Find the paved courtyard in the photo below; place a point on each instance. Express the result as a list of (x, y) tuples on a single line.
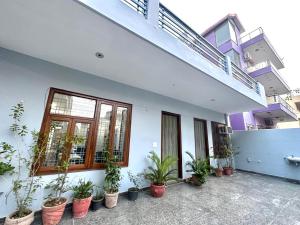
[(240, 199)]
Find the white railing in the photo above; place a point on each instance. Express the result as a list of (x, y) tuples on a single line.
[(141, 6), (278, 99), (251, 35)]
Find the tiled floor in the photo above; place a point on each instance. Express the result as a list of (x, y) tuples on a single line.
[(240, 199)]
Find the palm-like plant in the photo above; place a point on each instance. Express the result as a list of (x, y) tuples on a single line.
[(199, 167), (161, 172)]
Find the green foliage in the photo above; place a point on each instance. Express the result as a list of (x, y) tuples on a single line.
[(137, 179), (26, 158), (6, 154), (113, 175), (58, 186), (98, 193), (161, 173), (83, 189), (199, 167)]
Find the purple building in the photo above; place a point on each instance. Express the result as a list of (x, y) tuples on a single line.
[(254, 54)]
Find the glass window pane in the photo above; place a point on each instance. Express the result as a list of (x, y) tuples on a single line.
[(78, 151), (235, 57), (120, 130), (103, 132), (222, 34), (72, 106), (56, 142)]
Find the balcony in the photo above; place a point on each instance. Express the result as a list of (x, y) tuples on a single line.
[(267, 74), (144, 46), (278, 109), (257, 45)]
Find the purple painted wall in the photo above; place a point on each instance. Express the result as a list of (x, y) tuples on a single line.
[(237, 121), (249, 119), (211, 38)]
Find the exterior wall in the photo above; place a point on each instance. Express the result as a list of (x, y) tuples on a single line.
[(237, 121), (211, 38), (28, 79), (263, 151)]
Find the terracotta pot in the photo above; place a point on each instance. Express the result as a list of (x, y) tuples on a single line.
[(228, 171), (81, 207), (219, 172), (195, 180), (52, 215), (111, 200), (157, 191), (26, 220)]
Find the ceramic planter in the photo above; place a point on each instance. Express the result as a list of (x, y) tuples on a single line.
[(157, 191), (26, 220), (133, 194), (96, 204), (81, 207), (111, 200), (52, 215), (219, 172), (228, 171)]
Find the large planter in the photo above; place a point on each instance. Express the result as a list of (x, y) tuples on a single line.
[(133, 194), (81, 207), (51, 215), (157, 191), (228, 171), (219, 172), (111, 200), (96, 204), (26, 220)]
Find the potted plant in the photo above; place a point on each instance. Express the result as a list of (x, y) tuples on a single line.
[(160, 174), (54, 206), (82, 197), (228, 154), (200, 169), (133, 192), (97, 200), (24, 183), (219, 169), (111, 182)]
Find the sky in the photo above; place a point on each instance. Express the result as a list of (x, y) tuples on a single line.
[(279, 19)]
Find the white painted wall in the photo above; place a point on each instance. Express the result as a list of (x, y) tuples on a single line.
[(263, 151), (28, 79)]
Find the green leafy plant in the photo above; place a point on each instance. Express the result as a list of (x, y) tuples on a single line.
[(137, 180), (58, 186), (83, 189), (6, 155), (161, 173), (26, 158), (113, 175), (199, 167), (98, 193)]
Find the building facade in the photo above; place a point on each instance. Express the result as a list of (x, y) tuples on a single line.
[(129, 77), (254, 54)]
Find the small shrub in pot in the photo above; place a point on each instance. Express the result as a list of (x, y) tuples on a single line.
[(160, 173), (82, 197), (111, 181), (133, 192), (200, 169), (97, 200), (26, 159)]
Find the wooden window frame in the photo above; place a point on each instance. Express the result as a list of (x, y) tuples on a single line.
[(93, 131)]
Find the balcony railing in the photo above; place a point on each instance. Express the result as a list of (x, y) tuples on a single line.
[(251, 35), (141, 6), (278, 99), (170, 23), (177, 28), (243, 77)]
